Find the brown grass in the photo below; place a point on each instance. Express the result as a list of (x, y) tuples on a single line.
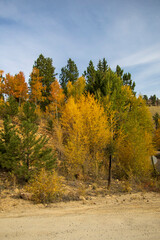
[(154, 109)]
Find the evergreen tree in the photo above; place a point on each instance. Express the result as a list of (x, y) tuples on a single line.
[(9, 146), (119, 71), (126, 77), (11, 107), (156, 119), (102, 66), (145, 97), (68, 73), (153, 99), (90, 76), (103, 81), (128, 81), (34, 152), (47, 72)]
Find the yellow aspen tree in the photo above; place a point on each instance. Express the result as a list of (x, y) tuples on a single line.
[(85, 125), (116, 136), (134, 151)]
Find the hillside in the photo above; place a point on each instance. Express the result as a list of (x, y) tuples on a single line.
[(154, 109)]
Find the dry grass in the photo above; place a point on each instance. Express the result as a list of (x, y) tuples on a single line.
[(154, 109)]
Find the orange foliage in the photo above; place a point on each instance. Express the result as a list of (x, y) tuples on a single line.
[(8, 85), (56, 97), (36, 86), (15, 86), (21, 89)]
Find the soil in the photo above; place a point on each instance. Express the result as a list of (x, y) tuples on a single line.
[(95, 216)]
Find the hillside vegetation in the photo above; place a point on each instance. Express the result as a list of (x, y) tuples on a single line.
[(89, 128)]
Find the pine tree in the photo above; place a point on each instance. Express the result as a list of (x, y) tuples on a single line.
[(9, 146), (34, 151), (11, 107), (35, 154), (126, 78), (47, 72), (128, 81), (156, 119), (68, 73), (90, 76), (119, 71)]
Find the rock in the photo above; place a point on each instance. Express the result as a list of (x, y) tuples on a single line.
[(26, 196), (82, 198)]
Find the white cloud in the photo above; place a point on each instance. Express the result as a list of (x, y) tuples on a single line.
[(148, 55)]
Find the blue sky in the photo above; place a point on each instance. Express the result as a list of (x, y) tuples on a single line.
[(126, 33)]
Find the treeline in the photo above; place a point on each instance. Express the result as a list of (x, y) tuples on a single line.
[(153, 100), (92, 122)]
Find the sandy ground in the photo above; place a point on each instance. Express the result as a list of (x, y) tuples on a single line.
[(127, 216)]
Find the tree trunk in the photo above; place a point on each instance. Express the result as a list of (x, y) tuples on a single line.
[(109, 172)]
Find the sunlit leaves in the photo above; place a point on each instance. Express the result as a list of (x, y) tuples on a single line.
[(86, 134), (15, 86), (77, 88), (36, 86)]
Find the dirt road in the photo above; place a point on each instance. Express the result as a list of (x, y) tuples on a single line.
[(125, 217)]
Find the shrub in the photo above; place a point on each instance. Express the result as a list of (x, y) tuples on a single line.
[(46, 187)]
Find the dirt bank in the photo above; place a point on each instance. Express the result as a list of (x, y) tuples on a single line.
[(122, 216)]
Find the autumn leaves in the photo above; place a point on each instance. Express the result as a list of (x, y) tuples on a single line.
[(93, 119)]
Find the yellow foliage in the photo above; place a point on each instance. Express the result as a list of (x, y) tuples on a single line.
[(134, 150), (45, 187), (76, 89), (86, 133)]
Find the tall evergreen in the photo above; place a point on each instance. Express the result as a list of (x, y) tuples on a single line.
[(97, 79), (68, 73), (35, 154), (9, 146), (128, 81), (47, 72), (126, 78), (90, 76), (153, 99), (119, 71)]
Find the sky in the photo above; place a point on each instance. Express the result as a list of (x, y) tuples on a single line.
[(126, 33)]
